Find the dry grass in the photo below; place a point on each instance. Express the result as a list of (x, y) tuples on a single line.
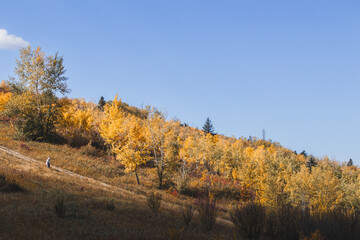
[(104, 168), (93, 210)]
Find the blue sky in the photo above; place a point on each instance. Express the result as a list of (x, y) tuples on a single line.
[(291, 67)]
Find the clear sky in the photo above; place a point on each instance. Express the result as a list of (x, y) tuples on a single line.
[(291, 67)]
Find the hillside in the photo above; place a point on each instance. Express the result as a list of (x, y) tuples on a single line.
[(95, 210), (112, 163)]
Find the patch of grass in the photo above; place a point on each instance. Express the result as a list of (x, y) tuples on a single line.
[(102, 204), (9, 186)]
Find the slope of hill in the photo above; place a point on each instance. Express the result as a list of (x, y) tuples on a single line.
[(94, 209)]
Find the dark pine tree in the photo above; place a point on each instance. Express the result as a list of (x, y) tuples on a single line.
[(101, 103), (304, 153), (208, 127), (311, 162), (350, 163)]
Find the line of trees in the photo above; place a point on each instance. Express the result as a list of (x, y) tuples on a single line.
[(195, 160)]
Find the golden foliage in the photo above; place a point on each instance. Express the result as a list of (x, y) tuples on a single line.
[(4, 98), (265, 171)]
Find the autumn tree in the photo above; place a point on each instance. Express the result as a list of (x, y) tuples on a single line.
[(208, 127), (5, 95), (34, 104), (209, 152), (187, 154), (320, 190), (136, 150), (78, 122), (163, 141), (111, 125), (126, 135), (233, 156)]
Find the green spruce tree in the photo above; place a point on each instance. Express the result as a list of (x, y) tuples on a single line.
[(208, 127), (101, 103), (311, 162)]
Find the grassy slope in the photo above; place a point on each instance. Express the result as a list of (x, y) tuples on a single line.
[(30, 215)]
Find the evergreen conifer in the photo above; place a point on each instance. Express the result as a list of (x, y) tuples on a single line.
[(208, 127)]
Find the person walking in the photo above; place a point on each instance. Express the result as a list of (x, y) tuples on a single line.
[(48, 162)]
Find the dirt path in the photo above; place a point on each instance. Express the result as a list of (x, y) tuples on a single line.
[(28, 164)]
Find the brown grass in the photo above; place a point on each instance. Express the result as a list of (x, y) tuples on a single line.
[(93, 210)]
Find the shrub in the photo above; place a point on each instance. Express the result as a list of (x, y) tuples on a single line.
[(90, 150), (153, 201), (304, 222), (207, 210), (338, 224), (187, 212), (77, 140), (253, 221), (24, 146), (182, 185), (60, 207), (288, 222), (249, 220)]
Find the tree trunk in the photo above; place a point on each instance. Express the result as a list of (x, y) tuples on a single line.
[(137, 177), (160, 173)]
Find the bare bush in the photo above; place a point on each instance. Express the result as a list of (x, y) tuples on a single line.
[(338, 224), (187, 212), (207, 210), (249, 220), (154, 201)]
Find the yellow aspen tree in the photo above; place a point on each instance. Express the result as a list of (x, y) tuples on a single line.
[(4, 98), (134, 150), (163, 135), (324, 190), (350, 185), (298, 188), (5, 95), (232, 157), (274, 194), (76, 114), (187, 153), (245, 173), (78, 121), (111, 125), (356, 200), (319, 190), (209, 151)]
